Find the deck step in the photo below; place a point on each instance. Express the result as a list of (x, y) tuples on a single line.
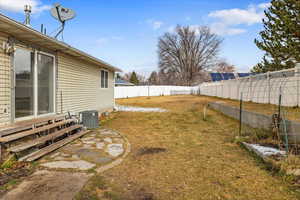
[(16, 136), (28, 124), (37, 154), (43, 139)]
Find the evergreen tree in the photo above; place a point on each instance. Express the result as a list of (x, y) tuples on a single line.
[(133, 78), (280, 38)]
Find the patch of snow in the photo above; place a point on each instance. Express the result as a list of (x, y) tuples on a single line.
[(138, 109), (81, 165), (115, 149), (266, 151)]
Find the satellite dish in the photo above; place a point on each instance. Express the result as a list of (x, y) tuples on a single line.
[(62, 14)]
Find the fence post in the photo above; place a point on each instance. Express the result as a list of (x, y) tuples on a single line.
[(241, 112), (269, 87), (279, 103), (238, 88), (251, 89), (297, 74)]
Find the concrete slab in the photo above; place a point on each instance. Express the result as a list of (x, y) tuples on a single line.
[(45, 185), (80, 165)]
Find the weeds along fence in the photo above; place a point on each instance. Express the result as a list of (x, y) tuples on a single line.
[(261, 88), (139, 91)]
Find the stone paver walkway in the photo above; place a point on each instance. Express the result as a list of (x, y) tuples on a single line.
[(61, 170)]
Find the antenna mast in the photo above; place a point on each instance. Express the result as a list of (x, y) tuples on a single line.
[(27, 10), (57, 5)]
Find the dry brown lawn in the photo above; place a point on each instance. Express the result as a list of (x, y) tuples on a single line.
[(178, 156)]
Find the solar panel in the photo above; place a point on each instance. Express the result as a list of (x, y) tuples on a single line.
[(244, 74), (228, 76), (216, 77), (221, 76)]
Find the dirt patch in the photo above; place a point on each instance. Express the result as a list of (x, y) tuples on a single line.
[(44, 184), (142, 194), (10, 176), (150, 150), (19, 170)]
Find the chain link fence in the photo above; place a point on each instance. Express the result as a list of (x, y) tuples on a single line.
[(276, 95)]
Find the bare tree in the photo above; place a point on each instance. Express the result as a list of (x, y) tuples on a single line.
[(142, 79), (127, 76), (153, 79), (167, 78), (224, 67), (187, 52)]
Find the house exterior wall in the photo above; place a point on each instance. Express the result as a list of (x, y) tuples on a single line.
[(78, 86), (5, 84)]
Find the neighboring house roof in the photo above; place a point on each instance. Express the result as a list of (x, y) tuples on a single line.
[(120, 82), (30, 35)]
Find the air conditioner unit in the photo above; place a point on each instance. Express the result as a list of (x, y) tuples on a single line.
[(90, 119)]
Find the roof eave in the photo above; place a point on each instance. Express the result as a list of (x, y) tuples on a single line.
[(39, 35)]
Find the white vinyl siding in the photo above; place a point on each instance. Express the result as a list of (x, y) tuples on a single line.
[(5, 85), (78, 86)]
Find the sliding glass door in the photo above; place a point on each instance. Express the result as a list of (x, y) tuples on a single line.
[(24, 83), (45, 65), (34, 83)]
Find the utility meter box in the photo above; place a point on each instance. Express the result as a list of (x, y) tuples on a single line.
[(90, 119)]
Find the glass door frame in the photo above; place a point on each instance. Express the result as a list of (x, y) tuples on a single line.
[(36, 115), (35, 87)]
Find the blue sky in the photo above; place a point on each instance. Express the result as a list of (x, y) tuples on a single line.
[(125, 32)]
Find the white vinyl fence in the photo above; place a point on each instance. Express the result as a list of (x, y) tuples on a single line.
[(261, 88), (139, 91)]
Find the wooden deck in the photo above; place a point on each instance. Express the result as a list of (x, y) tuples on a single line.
[(31, 139), (28, 124)]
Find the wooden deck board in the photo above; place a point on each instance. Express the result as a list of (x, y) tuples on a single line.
[(36, 155), (27, 124), (16, 136), (42, 139)]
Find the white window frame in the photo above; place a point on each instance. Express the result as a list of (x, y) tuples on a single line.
[(104, 79)]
